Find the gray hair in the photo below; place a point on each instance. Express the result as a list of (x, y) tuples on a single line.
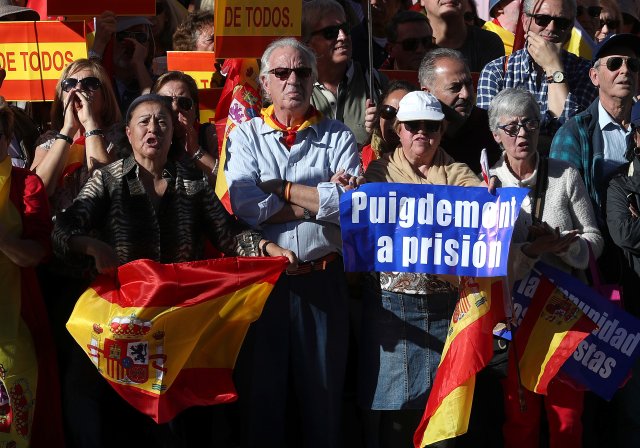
[(287, 42), (428, 66), (531, 5), (313, 11), (510, 103)]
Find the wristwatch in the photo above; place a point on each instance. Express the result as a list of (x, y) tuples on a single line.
[(557, 77), (306, 214)]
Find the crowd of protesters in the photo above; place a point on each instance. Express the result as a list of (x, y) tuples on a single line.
[(119, 167)]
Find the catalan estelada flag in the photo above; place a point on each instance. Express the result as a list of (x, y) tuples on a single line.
[(468, 348), (240, 101), (550, 332), (166, 336)]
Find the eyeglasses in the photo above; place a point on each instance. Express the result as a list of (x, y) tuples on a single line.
[(593, 11), (543, 20), (184, 102), (90, 83), (428, 126), (140, 36), (411, 44), (283, 73), (388, 112), (614, 63), (611, 24), (332, 32), (513, 129)]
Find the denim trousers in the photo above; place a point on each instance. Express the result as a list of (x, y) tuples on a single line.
[(402, 340), (295, 356)]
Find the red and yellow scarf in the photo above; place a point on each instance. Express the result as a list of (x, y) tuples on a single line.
[(312, 117)]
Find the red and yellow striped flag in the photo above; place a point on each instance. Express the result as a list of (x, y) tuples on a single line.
[(167, 337), (468, 348), (550, 332)]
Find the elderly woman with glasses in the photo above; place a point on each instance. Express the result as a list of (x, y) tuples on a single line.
[(196, 142), (556, 225), (406, 315)]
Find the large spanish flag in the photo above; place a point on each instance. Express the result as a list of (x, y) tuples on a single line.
[(550, 332), (468, 348), (240, 101), (166, 336)]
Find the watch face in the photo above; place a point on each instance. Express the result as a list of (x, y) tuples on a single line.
[(558, 77)]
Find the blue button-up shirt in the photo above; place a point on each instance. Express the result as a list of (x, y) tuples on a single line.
[(521, 73), (255, 154)]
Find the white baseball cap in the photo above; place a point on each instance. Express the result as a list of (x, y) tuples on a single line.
[(419, 105)]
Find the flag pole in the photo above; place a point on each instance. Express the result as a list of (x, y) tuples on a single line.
[(370, 47)]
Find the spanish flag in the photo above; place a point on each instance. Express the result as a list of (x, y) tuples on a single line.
[(468, 348), (166, 336), (240, 101), (550, 332)]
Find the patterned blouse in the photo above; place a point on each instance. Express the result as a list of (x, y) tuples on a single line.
[(114, 207)]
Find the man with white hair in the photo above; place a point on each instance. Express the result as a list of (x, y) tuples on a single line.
[(286, 170)]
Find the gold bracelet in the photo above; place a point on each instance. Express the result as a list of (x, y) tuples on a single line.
[(287, 192)]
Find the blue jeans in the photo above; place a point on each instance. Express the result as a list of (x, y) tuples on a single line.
[(298, 344), (402, 340)]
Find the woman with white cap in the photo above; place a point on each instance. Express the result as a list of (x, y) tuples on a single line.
[(406, 315)]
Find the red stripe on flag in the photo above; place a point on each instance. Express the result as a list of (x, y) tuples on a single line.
[(29, 90), (30, 32), (230, 275), (190, 61), (243, 46), (192, 387), (535, 308)]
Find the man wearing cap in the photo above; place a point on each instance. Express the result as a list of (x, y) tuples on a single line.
[(505, 15), (559, 80), (280, 170), (445, 74), (594, 141)]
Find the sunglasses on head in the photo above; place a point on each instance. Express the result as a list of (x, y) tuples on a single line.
[(388, 112), (611, 24), (283, 73), (512, 129), (90, 83), (544, 20), (184, 102), (331, 32), (593, 11), (429, 126), (140, 36), (411, 44), (614, 63)]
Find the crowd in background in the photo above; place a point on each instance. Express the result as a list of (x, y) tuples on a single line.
[(119, 167)]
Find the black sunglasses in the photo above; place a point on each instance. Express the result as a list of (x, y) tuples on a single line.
[(593, 11), (512, 129), (90, 83), (611, 24), (615, 62), (283, 73), (140, 36), (388, 112), (428, 126), (184, 102), (411, 44), (331, 32), (543, 20)]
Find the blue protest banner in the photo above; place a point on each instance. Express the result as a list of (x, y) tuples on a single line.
[(434, 229), (602, 361)]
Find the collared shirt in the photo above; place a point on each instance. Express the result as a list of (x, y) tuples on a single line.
[(328, 94), (115, 207), (615, 141), (255, 154), (521, 73)]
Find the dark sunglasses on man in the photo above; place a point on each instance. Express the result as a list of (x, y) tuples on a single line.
[(428, 126), (615, 62), (88, 84), (592, 11), (543, 20), (411, 44), (283, 73), (331, 32), (184, 102), (611, 24), (140, 36)]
